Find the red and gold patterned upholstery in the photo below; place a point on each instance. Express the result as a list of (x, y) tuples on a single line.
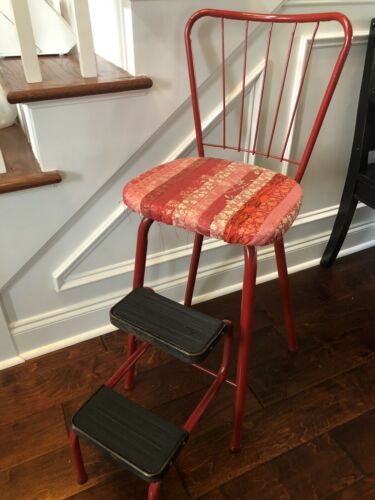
[(232, 201)]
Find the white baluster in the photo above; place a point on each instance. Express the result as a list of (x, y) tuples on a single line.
[(3, 168), (87, 59), (27, 43)]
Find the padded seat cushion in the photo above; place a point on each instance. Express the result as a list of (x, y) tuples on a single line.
[(231, 201)]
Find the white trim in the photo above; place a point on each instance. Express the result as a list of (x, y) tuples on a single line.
[(60, 344), (319, 3), (334, 39), (319, 214), (88, 245), (61, 275), (29, 123), (9, 355), (53, 103), (17, 360), (85, 41), (127, 266), (3, 168), (322, 40), (29, 57), (302, 254), (127, 36)]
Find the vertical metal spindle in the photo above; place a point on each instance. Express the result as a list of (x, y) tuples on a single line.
[(223, 78), (299, 93), (282, 89), (243, 86), (263, 84)]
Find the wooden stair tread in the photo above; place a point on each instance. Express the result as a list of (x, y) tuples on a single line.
[(22, 168), (62, 79)]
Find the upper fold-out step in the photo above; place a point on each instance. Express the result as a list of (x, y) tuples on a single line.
[(185, 333)]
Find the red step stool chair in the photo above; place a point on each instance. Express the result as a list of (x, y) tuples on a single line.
[(237, 202)]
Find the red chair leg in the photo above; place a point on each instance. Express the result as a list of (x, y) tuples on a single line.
[(153, 491), (285, 294), (138, 279), (77, 458), (193, 269), (246, 320)]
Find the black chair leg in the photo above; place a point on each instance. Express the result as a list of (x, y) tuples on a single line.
[(340, 229)]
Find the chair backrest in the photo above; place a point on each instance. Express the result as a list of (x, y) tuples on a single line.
[(266, 146)]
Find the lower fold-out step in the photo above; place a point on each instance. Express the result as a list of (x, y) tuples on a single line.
[(143, 442)]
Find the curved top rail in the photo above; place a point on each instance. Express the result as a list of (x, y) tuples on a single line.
[(271, 19)]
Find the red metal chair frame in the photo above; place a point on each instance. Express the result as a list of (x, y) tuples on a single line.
[(249, 277)]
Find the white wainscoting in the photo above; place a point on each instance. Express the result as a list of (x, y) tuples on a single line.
[(90, 318), (71, 300), (322, 3)]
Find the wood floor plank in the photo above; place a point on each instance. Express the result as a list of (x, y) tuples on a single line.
[(51, 475), (315, 423), (154, 388), (313, 470), (75, 353), (220, 411), (206, 463), (35, 389), (332, 322), (357, 437), (364, 489), (32, 436), (118, 487), (229, 307), (290, 374), (116, 342), (317, 288)]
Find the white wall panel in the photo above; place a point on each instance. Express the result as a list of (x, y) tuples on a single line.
[(68, 254)]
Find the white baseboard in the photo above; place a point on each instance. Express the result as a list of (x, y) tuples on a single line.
[(57, 329), (7, 363), (60, 344)]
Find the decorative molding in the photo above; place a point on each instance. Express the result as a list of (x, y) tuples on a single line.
[(54, 103), (88, 245), (319, 3), (302, 254), (61, 344), (322, 40), (28, 126), (62, 281)]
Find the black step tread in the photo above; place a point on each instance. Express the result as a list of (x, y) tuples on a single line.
[(185, 333), (143, 442)]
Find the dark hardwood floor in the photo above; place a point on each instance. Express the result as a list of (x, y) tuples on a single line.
[(310, 416)]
